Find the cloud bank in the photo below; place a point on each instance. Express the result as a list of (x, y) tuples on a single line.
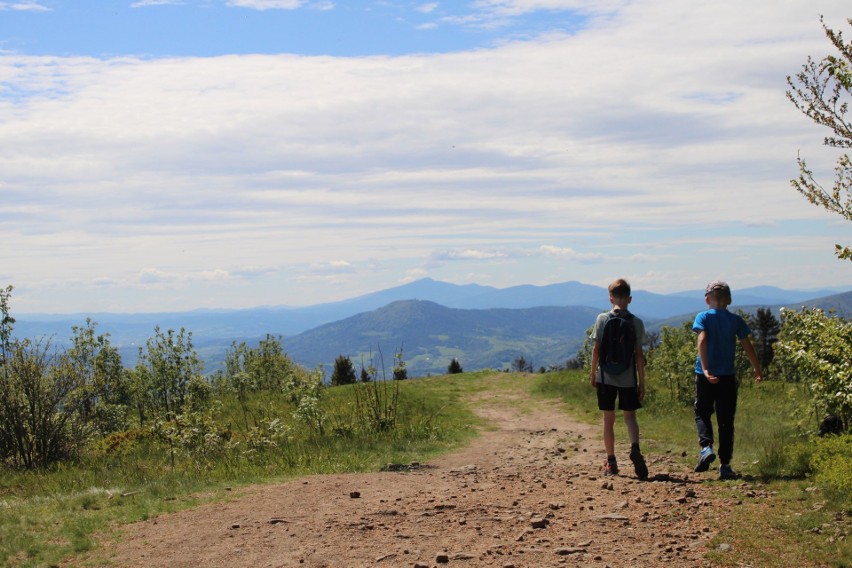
[(655, 143)]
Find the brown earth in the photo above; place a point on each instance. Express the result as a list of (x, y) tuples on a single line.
[(529, 492)]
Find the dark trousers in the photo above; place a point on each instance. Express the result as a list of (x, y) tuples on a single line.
[(721, 397)]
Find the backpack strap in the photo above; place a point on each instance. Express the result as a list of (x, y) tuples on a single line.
[(629, 317)]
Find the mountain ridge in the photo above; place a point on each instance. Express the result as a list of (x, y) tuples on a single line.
[(214, 330)]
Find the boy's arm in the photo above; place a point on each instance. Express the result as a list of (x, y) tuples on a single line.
[(752, 356), (703, 357), (596, 354), (639, 361)]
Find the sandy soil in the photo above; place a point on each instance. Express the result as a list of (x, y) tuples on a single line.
[(529, 492)]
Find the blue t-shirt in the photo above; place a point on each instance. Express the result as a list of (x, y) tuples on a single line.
[(723, 329)]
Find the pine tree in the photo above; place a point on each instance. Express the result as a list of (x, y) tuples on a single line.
[(766, 328), (344, 371)]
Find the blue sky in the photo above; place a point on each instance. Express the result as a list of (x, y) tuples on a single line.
[(160, 156)]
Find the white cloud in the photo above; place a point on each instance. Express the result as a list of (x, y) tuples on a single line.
[(146, 3), (570, 254), (24, 7), (469, 254), (520, 7), (496, 14), (156, 276), (414, 274), (267, 4), (427, 8), (333, 267)]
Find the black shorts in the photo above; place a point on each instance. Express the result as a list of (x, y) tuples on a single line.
[(628, 397)]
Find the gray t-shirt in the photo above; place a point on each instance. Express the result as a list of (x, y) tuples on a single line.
[(627, 378)]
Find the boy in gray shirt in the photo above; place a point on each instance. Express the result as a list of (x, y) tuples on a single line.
[(618, 372)]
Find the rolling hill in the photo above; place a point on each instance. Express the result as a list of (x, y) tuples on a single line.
[(431, 335)]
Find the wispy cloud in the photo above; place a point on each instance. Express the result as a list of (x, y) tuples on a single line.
[(146, 3), (155, 276), (427, 8), (414, 274), (24, 6), (569, 254), (267, 4), (332, 267), (520, 7), (469, 254), (491, 14)]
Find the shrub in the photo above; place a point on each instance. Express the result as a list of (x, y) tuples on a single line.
[(376, 401), (674, 362), (831, 462), (38, 412), (814, 348), (400, 373), (785, 458), (165, 372)]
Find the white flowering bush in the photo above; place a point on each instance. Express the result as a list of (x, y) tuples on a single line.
[(306, 390), (816, 349), (269, 434), (193, 435)]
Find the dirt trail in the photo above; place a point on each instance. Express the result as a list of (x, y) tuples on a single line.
[(527, 493)]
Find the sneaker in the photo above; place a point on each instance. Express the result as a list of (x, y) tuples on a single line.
[(727, 472), (611, 468), (639, 464), (705, 458)]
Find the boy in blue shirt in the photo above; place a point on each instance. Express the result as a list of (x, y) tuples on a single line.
[(716, 384)]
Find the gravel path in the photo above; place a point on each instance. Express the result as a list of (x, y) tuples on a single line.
[(528, 493)]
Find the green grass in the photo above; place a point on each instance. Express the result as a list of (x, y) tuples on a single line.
[(783, 523)]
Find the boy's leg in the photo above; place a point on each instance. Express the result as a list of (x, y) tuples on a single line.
[(704, 403), (629, 403), (611, 465), (609, 432), (705, 398), (726, 408), (606, 403), (632, 426), (636, 456)]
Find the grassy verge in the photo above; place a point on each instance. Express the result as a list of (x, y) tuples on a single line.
[(777, 517), (50, 515), (781, 523)]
